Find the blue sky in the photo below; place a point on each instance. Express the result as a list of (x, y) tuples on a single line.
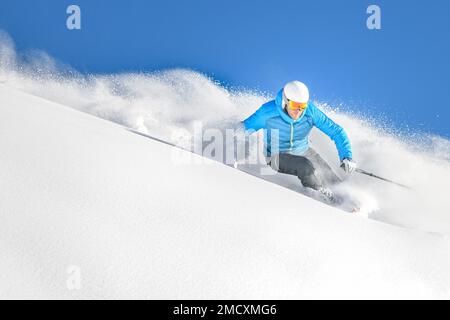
[(398, 73)]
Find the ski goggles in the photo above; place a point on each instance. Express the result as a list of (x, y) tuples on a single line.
[(296, 105)]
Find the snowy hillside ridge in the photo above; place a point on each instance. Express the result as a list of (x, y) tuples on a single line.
[(85, 197), (168, 104)]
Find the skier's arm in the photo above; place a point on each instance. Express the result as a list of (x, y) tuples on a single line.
[(258, 119), (250, 125), (334, 131)]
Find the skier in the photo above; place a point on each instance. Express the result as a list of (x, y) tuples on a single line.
[(294, 115)]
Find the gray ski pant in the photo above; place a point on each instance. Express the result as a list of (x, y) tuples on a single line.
[(312, 170)]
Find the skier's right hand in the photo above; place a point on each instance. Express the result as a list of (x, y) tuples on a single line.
[(348, 165)]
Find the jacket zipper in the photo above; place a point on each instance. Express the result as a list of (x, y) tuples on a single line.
[(292, 135)]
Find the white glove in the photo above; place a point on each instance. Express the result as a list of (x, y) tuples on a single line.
[(348, 165)]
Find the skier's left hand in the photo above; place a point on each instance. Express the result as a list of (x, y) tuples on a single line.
[(348, 165)]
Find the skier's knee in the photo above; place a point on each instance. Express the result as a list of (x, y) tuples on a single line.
[(305, 168), (310, 181)]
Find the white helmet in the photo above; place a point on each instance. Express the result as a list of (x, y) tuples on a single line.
[(295, 91)]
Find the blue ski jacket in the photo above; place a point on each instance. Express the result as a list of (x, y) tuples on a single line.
[(293, 134)]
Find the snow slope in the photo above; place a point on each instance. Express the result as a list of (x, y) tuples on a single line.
[(79, 191), (167, 104)]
